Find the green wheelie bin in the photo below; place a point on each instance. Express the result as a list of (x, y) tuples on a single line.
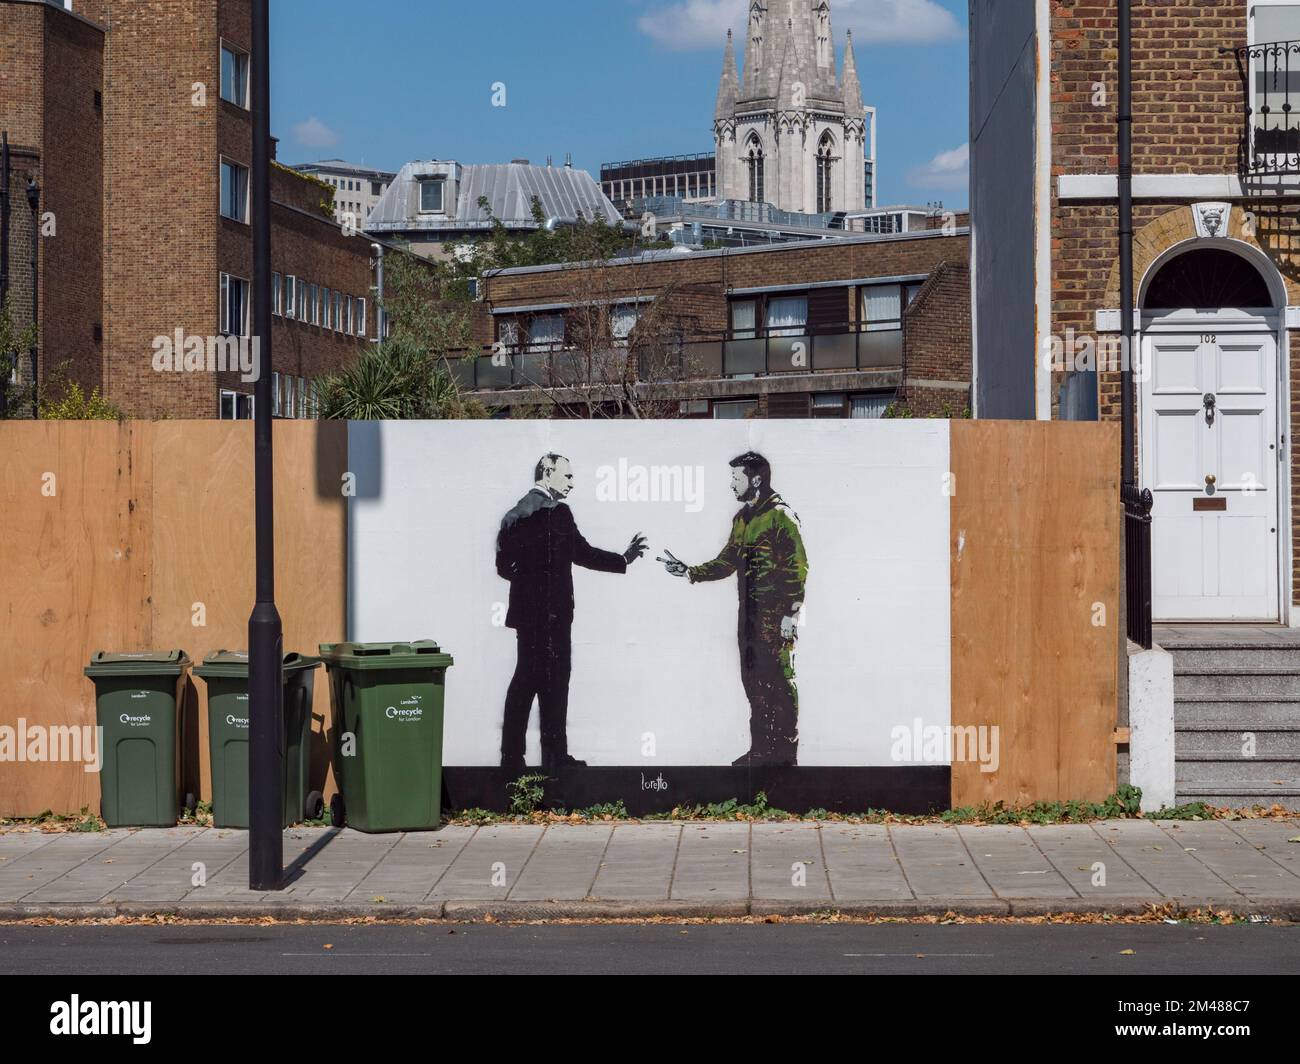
[(136, 701), (226, 674), (387, 701)]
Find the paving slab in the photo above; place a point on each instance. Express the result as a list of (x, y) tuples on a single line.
[(410, 869), (1012, 864), (1273, 838), (1161, 861), (564, 865), (1088, 863), (712, 863), (936, 863), (1232, 858), (45, 864), (861, 863), (100, 876), (186, 868), (787, 863), (489, 864), (638, 863)]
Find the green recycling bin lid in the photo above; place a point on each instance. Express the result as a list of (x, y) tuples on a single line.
[(421, 654), (234, 664), (141, 663)]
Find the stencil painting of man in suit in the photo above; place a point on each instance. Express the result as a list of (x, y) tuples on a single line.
[(537, 547)]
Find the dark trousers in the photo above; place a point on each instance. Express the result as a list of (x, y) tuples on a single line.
[(542, 672), (767, 671)]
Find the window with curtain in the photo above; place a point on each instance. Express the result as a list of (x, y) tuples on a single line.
[(744, 319), (234, 76), (881, 307), (545, 332), (234, 191), (787, 315), (622, 320), (870, 406)]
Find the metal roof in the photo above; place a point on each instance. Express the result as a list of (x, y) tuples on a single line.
[(509, 188)]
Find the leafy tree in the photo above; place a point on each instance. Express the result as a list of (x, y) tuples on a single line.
[(62, 399), (14, 342)]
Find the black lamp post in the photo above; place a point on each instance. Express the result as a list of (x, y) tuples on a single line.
[(34, 202), (265, 635)]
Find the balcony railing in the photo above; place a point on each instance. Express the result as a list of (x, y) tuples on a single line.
[(1270, 78), (843, 348)]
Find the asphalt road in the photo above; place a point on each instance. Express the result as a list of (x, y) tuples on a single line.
[(650, 949)]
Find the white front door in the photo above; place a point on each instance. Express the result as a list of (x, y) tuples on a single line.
[(1209, 455)]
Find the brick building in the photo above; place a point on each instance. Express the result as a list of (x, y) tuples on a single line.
[(1216, 172), (133, 116), (842, 328)]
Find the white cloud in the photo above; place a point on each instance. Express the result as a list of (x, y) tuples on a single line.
[(315, 134), (688, 24), (947, 170)]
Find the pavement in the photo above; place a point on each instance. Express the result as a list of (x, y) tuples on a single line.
[(648, 869)]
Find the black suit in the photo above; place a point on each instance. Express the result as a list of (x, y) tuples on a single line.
[(537, 548)]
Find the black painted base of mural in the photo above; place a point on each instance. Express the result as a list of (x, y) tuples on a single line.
[(915, 790)]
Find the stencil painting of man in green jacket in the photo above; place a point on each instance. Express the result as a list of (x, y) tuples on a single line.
[(765, 552)]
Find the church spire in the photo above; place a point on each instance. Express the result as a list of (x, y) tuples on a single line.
[(852, 87), (729, 87)]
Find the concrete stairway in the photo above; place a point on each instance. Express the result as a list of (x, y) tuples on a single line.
[(1236, 714)]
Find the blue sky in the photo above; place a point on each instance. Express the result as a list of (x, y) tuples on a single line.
[(386, 81)]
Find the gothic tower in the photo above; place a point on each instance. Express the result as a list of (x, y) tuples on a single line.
[(792, 132)]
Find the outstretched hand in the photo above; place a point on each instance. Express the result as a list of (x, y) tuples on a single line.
[(674, 566), (636, 549)]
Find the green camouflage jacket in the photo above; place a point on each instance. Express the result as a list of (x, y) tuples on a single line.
[(766, 553)]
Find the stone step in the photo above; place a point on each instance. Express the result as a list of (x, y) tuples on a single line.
[(1215, 658), (1230, 685), (1245, 771), (1227, 745), (1240, 714), (1238, 796)]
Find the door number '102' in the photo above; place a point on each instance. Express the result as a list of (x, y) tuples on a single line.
[(1209, 338)]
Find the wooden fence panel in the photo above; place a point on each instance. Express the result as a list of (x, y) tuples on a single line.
[(1036, 532)]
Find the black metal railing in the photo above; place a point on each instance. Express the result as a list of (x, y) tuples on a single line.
[(1270, 78), (1137, 563), (842, 347)]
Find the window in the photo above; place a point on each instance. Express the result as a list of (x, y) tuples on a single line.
[(234, 76), (787, 315), (736, 411), (234, 306), (290, 296), (347, 315), (828, 404), (755, 160), (881, 307), (276, 405), (622, 320), (303, 312), (277, 295), (360, 317), (825, 166), (431, 196), (338, 311), (1275, 26), (302, 397), (545, 332), (235, 406), (744, 319), (508, 333), (870, 406), (288, 397), (234, 191), (313, 303), (376, 189)]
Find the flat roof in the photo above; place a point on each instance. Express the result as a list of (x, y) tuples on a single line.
[(762, 249)]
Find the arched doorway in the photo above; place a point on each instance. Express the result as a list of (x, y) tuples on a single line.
[(1210, 446)]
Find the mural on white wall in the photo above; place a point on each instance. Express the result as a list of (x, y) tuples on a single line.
[(653, 594)]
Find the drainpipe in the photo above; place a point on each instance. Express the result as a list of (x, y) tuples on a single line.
[(1126, 236), (34, 202), (378, 251), (4, 256)]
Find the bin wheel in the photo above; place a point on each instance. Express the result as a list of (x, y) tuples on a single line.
[(314, 806), (338, 814)]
